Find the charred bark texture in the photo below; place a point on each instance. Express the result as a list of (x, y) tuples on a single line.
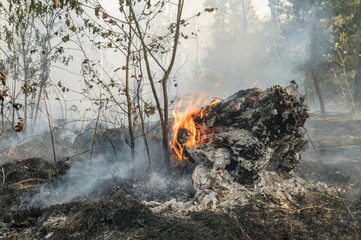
[(253, 131)]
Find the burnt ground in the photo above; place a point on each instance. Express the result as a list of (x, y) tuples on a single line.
[(114, 209)]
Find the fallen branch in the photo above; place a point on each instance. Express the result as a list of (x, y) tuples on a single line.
[(27, 180), (4, 176), (301, 209)]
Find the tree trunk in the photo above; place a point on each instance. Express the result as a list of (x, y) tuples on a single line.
[(142, 124), (357, 89), (147, 64), (319, 92), (25, 80), (163, 115), (164, 82), (129, 102)]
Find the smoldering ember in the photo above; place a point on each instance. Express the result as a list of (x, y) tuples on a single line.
[(239, 181)]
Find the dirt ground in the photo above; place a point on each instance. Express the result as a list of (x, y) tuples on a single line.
[(114, 209)]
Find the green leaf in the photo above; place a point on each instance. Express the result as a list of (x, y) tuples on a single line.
[(66, 38)]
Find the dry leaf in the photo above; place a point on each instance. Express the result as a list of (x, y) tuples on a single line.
[(149, 110), (20, 126), (2, 78)]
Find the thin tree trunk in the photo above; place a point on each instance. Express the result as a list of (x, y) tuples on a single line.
[(319, 92), (163, 117), (15, 79), (147, 64), (357, 89), (43, 79), (25, 81), (44, 74), (51, 134), (145, 137), (164, 82), (129, 102)]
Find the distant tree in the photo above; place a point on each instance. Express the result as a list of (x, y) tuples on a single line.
[(31, 42), (334, 28), (238, 45)]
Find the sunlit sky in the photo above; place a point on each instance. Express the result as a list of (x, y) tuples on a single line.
[(261, 7)]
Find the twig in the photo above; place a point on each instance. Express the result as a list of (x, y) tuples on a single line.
[(2, 118), (240, 226), (135, 222), (4, 176), (27, 180), (300, 209), (95, 130), (51, 135), (85, 151), (26, 197)]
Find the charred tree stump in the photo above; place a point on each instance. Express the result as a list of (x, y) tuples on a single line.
[(250, 132)]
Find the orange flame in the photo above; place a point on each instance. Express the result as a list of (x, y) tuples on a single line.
[(215, 102), (184, 120)]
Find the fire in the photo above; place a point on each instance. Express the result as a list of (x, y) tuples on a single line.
[(184, 120), (215, 102)]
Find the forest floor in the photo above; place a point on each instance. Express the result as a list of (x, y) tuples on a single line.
[(115, 208)]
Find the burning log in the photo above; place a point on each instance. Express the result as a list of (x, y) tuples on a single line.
[(243, 136)]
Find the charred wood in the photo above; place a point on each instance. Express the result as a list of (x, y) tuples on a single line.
[(252, 131)]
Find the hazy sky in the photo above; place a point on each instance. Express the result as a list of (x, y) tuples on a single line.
[(261, 7), (187, 54), (188, 49)]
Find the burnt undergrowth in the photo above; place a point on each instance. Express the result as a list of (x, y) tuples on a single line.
[(116, 212), (118, 207)]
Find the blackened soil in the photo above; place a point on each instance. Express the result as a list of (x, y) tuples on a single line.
[(112, 213), (21, 179), (115, 210)]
